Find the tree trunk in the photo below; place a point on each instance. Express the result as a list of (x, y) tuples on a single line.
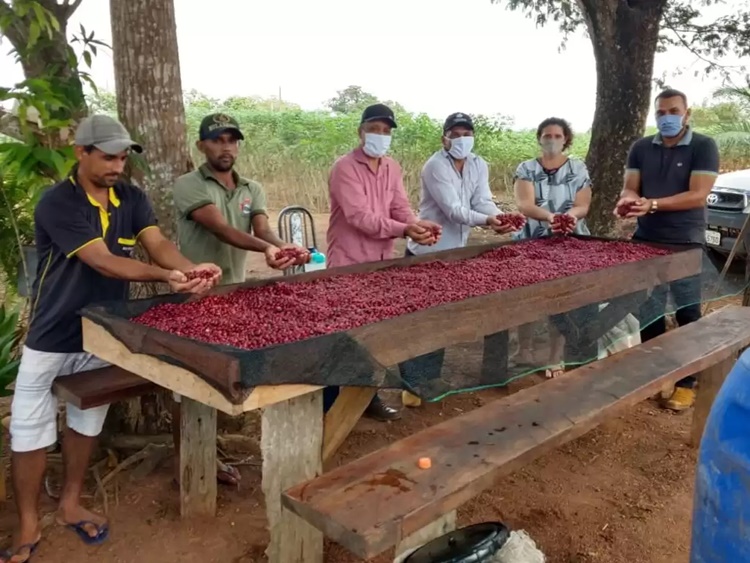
[(624, 34), (149, 104), (149, 96)]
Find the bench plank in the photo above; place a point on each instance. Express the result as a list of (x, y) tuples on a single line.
[(102, 386), (471, 451)]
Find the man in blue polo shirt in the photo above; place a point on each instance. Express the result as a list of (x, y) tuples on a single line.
[(86, 229), (667, 180)]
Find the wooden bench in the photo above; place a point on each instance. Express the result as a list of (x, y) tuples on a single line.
[(384, 500), (89, 389)]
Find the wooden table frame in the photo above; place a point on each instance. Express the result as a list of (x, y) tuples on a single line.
[(296, 439)]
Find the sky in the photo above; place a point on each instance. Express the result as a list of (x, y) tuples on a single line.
[(429, 55)]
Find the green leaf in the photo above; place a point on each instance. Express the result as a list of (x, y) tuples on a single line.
[(27, 168), (61, 166), (87, 58), (34, 33), (6, 349), (87, 78), (54, 23)]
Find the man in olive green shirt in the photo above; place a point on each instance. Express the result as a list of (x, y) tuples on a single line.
[(217, 210)]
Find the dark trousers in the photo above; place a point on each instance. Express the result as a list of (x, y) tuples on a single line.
[(330, 394), (686, 294)]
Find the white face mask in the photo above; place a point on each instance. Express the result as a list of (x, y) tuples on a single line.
[(461, 147), (552, 147), (376, 145)]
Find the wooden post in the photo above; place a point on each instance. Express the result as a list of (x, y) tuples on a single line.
[(197, 459), (343, 416), (291, 445), (433, 530), (709, 383)]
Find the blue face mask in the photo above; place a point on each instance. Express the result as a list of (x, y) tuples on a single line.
[(669, 125), (376, 145)]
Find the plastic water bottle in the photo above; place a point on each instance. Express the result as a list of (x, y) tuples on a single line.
[(317, 261)]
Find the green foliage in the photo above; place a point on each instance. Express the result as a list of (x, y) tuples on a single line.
[(17, 202), (10, 335), (47, 104), (732, 126)]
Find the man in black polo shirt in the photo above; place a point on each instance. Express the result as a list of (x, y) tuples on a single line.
[(86, 229), (667, 180)]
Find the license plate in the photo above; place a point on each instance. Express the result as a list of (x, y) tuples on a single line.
[(713, 238)]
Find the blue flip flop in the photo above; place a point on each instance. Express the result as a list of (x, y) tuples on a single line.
[(6, 556), (102, 532)]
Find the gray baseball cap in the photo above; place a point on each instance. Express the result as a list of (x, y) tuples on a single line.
[(106, 134)]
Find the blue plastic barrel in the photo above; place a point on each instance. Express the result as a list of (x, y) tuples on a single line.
[(721, 508)]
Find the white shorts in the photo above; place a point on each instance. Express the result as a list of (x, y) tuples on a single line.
[(33, 416)]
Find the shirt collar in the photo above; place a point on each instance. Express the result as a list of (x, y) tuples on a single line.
[(686, 139), (360, 156), (113, 197), (206, 172)]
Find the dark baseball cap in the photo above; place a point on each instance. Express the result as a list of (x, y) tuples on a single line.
[(458, 119), (379, 112), (217, 123), (106, 134)]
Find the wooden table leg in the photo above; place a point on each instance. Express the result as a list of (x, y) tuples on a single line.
[(291, 445), (197, 459), (709, 383), (343, 416)]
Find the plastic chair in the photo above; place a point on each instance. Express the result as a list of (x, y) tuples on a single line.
[(297, 226)]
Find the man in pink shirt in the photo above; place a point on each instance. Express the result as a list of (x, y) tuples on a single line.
[(369, 210)]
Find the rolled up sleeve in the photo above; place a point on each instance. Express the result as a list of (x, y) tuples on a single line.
[(143, 213), (706, 159), (633, 165), (189, 194), (349, 192), (437, 185)]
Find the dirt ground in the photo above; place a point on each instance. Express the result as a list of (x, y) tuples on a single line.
[(620, 494)]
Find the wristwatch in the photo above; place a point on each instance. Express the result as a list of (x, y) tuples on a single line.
[(654, 206)]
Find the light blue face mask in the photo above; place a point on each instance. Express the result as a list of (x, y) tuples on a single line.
[(376, 145), (461, 147), (669, 125)]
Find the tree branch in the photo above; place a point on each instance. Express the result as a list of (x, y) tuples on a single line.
[(70, 7), (682, 41)]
